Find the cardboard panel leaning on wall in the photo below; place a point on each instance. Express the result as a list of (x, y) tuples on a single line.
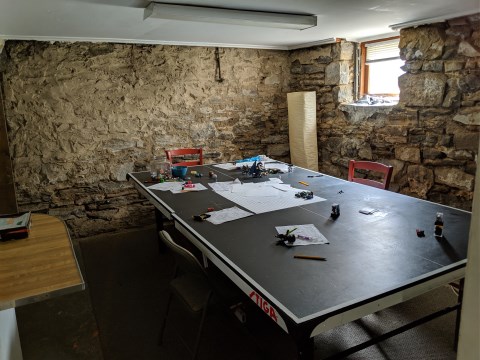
[(302, 129)]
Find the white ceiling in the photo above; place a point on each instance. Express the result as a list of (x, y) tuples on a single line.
[(122, 21)]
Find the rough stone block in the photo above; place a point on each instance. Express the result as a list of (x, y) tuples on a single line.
[(431, 153), (420, 180), (422, 43), (466, 49), (434, 65), (276, 150), (454, 177), (346, 50), (413, 66), (468, 117), (309, 56), (454, 65), (337, 73), (407, 153), (466, 141), (474, 96), (424, 89)]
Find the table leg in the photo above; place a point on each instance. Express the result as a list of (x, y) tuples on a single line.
[(459, 313), (160, 222), (305, 348)]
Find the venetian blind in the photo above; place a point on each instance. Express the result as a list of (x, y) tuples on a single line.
[(382, 50)]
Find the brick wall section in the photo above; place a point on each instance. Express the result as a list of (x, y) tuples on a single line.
[(80, 116), (431, 137)]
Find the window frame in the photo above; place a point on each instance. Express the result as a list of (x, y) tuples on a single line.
[(364, 67)]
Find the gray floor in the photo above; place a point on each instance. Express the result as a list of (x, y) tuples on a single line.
[(118, 316)]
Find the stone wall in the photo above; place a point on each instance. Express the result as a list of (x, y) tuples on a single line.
[(81, 116), (431, 137)]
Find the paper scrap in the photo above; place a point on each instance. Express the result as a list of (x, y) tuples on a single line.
[(176, 187), (229, 214), (306, 234)]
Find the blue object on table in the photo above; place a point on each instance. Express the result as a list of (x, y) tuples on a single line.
[(179, 171), (255, 158)]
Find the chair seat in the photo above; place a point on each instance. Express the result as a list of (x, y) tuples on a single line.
[(192, 290)]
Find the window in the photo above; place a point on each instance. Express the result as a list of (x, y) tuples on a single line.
[(380, 68)]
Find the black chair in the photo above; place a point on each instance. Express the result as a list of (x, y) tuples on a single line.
[(195, 289)]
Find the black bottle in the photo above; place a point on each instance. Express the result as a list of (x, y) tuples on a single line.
[(438, 231)]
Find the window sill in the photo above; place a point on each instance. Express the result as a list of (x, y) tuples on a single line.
[(364, 111)]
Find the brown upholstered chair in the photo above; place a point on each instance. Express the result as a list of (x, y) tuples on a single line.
[(381, 169), (186, 157)]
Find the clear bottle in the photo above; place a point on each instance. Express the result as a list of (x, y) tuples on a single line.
[(154, 165), (438, 230), (160, 168)]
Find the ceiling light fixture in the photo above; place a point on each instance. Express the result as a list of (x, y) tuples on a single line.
[(432, 20), (314, 43), (229, 16)]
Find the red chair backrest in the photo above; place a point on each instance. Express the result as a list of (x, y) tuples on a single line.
[(198, 153), (386, 170)]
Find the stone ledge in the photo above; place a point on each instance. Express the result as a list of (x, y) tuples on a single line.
[(359, 112)]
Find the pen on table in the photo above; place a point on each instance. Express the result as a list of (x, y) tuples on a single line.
[(303, 183), (309, 257)]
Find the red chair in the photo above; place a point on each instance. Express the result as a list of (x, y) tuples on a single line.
[(385, 170), (188, 157)]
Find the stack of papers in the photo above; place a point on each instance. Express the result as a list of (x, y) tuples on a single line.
[(261, 197)]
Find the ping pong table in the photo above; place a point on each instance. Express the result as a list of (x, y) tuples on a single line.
[(372, 261)]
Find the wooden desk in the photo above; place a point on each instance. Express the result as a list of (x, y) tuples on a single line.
[(34, 269)]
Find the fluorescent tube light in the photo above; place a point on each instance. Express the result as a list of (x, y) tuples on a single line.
[(432, 20), (314, 43), (229, 16)]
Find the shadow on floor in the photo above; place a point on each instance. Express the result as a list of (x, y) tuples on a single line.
[(118, 317)]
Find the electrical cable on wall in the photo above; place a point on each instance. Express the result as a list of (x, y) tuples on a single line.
[(218, 73)]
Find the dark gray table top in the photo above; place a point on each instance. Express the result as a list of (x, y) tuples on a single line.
[(368, 255)]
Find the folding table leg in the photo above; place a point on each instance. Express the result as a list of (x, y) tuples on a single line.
[(305, 348), (459, 313), (159, 220)]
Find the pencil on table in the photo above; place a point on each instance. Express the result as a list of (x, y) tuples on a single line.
[(309, 257)]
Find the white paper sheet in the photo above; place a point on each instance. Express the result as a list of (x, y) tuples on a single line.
[(261, 197), (176, 187), (227, 166), (198, 187), (230, 214), (279, 166), (304, 234), (165, 186)]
